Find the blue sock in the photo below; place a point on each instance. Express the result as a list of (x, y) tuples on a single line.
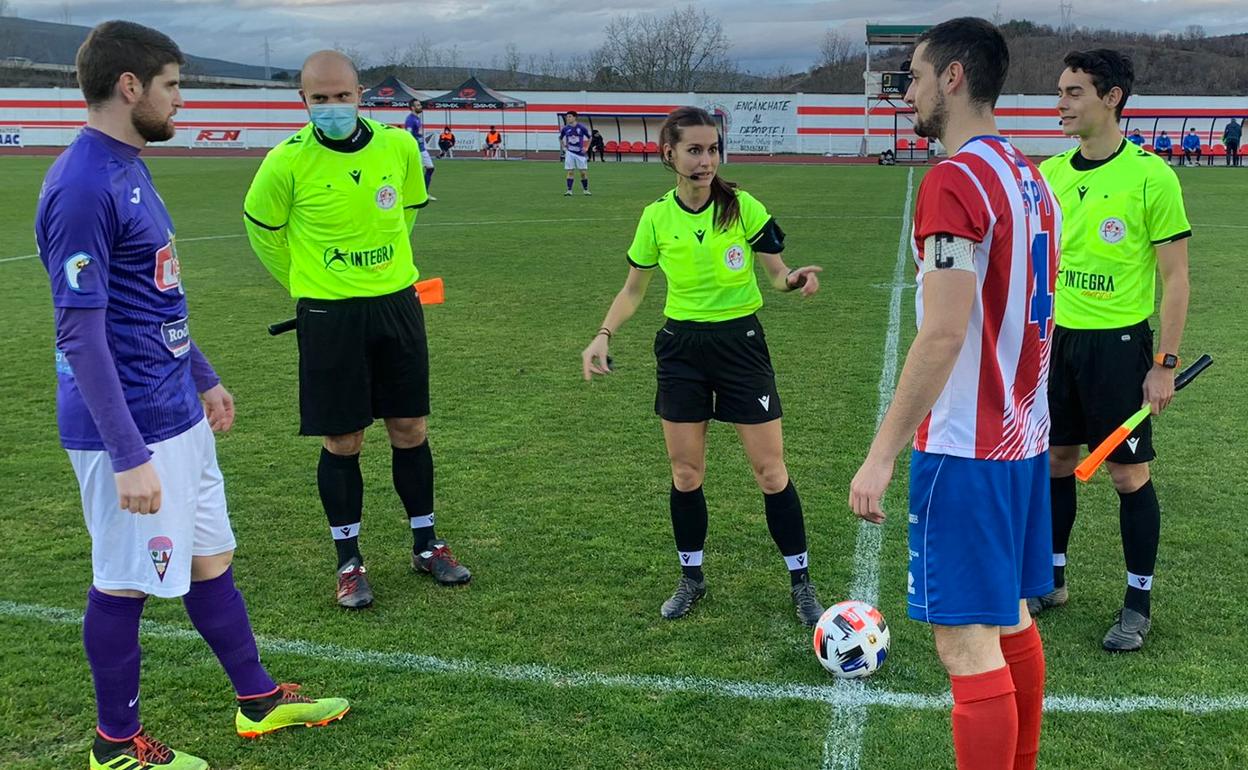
[(584, 183), (569, 184)]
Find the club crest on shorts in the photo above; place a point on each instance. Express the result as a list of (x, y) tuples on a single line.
[(387, 197), (160, 548), (734, 257), (1113, 230)]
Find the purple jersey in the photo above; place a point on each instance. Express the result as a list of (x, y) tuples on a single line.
[(106, 240), (574, 138), (416, 127)]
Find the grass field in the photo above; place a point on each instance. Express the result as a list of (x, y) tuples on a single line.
[(555, 493)]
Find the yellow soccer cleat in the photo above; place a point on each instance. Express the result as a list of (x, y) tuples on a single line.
[(286, 708), (140, 753)]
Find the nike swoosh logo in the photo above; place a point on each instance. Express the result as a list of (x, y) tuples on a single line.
[(131, 703)]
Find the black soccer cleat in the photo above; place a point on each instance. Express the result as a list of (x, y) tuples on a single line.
[(688, 592), (806, 603), (439, 562)]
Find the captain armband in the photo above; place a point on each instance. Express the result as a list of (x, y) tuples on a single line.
[(948, 252)]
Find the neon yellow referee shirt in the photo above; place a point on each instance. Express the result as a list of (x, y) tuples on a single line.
[(332, 220), (710, 272), (1115, 213)]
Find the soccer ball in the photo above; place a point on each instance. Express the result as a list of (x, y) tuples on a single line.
[(851, 639)]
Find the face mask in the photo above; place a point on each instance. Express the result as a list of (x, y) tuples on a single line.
[(336, 121)]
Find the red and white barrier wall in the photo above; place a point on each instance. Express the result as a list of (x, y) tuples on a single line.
[(755, 123)]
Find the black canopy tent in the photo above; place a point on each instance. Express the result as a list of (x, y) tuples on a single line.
[(390, 92), (472, 94)]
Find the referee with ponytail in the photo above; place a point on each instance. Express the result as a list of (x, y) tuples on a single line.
[(712, 354)]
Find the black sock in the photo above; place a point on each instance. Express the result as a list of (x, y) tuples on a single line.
[(1063, 494), (342, 493), (412, 470), (689, 526), (258, 708), (1139, 517), (788, 530)]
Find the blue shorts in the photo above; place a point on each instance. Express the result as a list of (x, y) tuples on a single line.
[(981, 538)]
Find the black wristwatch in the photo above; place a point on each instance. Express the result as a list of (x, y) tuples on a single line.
[(1166, 360)]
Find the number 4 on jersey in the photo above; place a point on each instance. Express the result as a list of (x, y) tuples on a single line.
[(1041, 295)]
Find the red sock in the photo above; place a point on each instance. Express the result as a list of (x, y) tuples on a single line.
[(1024, 653), (985, 720)]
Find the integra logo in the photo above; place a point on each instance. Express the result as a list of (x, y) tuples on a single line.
[(339, 260), (177, 336)]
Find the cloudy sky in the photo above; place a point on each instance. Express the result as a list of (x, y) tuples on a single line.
[(765, 35)]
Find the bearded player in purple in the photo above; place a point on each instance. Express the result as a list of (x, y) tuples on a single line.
[(130, 382)]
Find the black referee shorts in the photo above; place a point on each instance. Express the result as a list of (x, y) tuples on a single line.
[(361, 359), (1096, 380), (717, 369)]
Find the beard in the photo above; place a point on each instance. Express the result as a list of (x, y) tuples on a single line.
[(932, 126), (149, 124)]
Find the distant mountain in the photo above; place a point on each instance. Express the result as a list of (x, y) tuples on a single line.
[(45, 42)]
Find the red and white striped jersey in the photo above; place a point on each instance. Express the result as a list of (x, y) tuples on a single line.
[(995, 405)]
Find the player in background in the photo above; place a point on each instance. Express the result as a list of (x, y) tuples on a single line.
[(1124, 221), (137, 404), (330, 214), (712, 355), (415, 126), (574, 140), (972, 396)]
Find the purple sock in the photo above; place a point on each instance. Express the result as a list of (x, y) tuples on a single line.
[(584, 183), (569, 184), (110, 634), (218, 612)]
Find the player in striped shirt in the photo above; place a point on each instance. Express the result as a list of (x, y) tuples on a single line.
[(972, 393)]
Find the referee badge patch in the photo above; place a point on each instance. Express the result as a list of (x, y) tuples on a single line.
[(387, 197), (1113, 230), (734, 257)]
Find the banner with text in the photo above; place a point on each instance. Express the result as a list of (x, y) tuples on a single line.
[(758, 124)]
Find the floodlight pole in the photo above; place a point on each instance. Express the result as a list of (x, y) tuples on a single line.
[(866, 102)]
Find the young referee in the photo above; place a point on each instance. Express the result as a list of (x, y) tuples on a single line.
[(330, 214), (1124, 221), (712, 354)]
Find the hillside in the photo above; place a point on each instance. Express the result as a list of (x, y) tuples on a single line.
[(49, 43), (1164, 65)]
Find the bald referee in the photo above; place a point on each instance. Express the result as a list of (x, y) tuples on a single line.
[(1124, 221), (330, 214)]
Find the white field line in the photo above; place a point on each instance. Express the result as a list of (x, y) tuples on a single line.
[(564, 221), (842, 746), (857, 698)]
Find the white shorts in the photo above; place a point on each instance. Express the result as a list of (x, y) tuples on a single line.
[(152, 553), (425, 160), (572, 161)]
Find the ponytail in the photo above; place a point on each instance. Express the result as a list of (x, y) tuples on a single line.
[(727, 207)]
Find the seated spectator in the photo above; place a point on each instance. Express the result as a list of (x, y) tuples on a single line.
[(1136, 138), (493, 140), (1163, 146), (597, 145), (1191, 148), (446, 141), (1230, 138)]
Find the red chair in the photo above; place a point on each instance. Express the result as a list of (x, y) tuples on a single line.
[(920, 144), (652, 147), (610, 146), (624, 148), (639, 147)]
